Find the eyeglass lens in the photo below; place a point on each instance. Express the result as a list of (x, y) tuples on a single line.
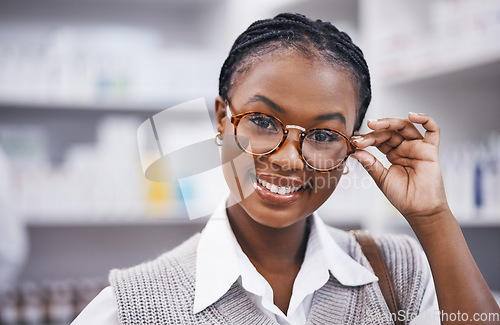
[(261, 134)]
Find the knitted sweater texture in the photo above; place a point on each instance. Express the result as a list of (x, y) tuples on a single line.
[(162, 291)]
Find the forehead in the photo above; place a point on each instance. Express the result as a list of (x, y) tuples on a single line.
[(304, 86)]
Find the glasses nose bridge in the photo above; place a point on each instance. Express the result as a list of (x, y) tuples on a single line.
[(297, 127), (288, 154), (301, 131)]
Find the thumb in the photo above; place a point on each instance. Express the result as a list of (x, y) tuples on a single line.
[(372, 165)]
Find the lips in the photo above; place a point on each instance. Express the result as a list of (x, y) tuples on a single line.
[(279, 190), (279, 182)]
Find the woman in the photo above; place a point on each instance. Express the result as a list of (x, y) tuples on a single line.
[(292, 94)]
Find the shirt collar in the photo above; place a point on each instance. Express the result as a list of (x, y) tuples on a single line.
[(218, 266), (342, 266)]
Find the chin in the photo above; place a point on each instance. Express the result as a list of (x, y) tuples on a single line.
[(275, 215)]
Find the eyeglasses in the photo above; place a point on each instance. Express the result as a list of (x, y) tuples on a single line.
[(260, 134)]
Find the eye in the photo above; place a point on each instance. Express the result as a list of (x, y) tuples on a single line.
[(264, 122), (323, 136)]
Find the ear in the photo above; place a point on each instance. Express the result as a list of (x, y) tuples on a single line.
[(220, 113)]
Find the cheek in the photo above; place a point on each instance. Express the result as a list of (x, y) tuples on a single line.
[(237, 167), (325, 184)]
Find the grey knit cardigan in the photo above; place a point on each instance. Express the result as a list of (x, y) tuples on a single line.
[(162, 291)]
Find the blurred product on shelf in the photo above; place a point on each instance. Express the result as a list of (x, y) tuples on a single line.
[(13, 237), (185, 152), (48, 303), (471, 175)]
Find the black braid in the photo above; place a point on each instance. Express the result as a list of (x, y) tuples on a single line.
[(309, 37)]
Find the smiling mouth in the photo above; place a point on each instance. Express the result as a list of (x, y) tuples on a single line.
[(282, 190), (280, 185), (279, 190)]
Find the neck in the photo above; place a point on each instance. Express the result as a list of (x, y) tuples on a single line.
[(271, 249)]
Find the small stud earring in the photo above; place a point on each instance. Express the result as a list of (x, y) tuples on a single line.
[(218, 139)]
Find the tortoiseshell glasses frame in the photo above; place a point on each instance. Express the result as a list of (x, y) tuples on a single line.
[(236, 119)]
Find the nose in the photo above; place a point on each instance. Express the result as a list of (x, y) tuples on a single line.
[(287, 157)]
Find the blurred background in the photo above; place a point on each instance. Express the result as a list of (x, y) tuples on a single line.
[(78, 78)]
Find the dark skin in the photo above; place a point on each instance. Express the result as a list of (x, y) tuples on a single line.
[(274, 237)]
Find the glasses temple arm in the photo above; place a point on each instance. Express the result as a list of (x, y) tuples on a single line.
[(228, 112)]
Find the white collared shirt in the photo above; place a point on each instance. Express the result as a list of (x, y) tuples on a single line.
[(221, 261), (322, 256)]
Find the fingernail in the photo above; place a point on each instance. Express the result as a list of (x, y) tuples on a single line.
[(356, 138), (372, 121), (412, 113)]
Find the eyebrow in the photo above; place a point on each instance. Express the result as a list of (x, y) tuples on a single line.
[(279, 109), (331, 116), (270, 103)]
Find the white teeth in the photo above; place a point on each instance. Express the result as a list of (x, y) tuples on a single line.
[(278, 189)]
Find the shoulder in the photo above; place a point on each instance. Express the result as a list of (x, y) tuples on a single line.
[(403, 257), (395, 248), (400, 249), (181, 258)]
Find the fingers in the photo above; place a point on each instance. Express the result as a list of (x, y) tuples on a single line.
[(384, 140), (372, 165), (432, 132), (411, 152), (403, 126), (397, 149), (391, 132)]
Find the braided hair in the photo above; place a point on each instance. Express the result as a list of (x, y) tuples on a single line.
[(311, 38)]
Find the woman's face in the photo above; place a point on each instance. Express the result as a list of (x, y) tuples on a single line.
[(299, 91)]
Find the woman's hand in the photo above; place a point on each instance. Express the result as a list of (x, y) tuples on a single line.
[(413, 183)]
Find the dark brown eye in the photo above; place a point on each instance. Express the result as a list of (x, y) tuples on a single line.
[(322, 136), (264, 122)]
